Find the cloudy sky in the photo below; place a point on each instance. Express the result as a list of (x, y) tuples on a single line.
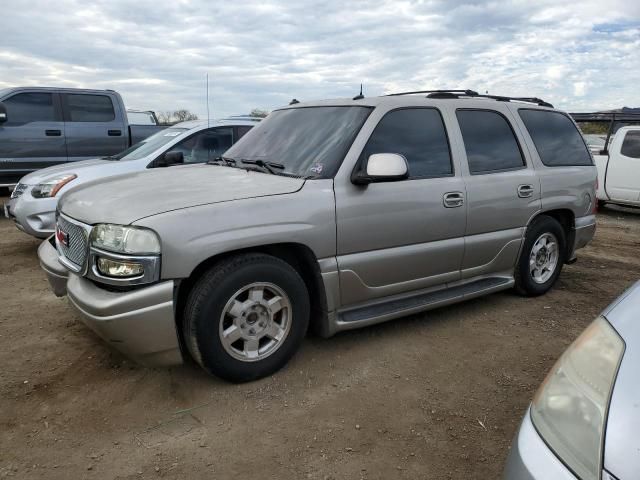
[(263, 53)]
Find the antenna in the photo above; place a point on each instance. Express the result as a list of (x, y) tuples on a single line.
[(208, 117), (360, 96)]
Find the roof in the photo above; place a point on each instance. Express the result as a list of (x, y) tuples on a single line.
[(239, 121), (429, 98), (61, 89)]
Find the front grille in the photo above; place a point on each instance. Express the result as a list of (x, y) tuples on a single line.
[(19, 190), (78, 243)]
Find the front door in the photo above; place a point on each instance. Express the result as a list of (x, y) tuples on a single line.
[(394, 237), (33, 136)]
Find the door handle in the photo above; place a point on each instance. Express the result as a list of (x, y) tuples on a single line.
[(53, 133), (525, 191), (453, 199), (115, 133)]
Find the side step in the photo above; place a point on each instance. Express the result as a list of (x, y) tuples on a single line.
[(400, 307)]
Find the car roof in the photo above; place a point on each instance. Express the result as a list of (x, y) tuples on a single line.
[(401, 100)]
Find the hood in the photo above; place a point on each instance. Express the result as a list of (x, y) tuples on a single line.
[(622, 440), (125, 199), (64, 168)]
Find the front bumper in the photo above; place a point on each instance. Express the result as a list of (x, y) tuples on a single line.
[(139, 323), (531, 459), (34, 216), (56, 274)]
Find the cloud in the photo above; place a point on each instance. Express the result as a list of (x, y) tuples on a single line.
[(263, 53)]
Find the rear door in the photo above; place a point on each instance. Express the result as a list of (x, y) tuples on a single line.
[(623, 170), (33, 136), (503, 190), (94, 125)]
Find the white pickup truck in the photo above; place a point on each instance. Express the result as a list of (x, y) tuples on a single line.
[(617, 156)]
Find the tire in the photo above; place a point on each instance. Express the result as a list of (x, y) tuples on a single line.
[(233, 327), (536, 282)]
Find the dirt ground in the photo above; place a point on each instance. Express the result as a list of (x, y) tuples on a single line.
[(434, 396)]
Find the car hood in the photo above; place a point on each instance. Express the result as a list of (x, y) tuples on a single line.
[(64, 168), (622, 440), (123, 199)]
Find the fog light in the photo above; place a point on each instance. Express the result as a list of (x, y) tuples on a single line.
[(120, 269)]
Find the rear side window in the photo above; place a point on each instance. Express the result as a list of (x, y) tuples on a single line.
[(557, 140), (489, 141), (418, 134), (30, 107), (90, 108), (631, 145)]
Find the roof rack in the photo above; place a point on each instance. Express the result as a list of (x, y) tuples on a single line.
[(473, 93)]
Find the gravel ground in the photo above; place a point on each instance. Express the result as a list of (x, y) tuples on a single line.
[(434, 396)]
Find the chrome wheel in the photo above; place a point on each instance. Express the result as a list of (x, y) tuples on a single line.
[(255, 322), (543, 259)]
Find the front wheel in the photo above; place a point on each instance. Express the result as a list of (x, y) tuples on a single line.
[(542, 257), (246, 317)]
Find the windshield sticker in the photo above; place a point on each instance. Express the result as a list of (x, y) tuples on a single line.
[(317, 168), (172, 134)]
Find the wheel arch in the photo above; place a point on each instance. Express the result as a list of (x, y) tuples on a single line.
[(567, 219), (297, 255)]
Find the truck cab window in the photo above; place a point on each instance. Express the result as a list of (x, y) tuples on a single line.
[(30, 107), (631, 145), (90, 108)]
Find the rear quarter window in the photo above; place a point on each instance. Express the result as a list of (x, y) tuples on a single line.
[(557, 139), (631, 145)]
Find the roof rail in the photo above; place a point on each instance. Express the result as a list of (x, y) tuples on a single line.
[(473, 93)]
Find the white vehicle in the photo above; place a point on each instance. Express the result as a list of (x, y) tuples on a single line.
[(616, 154), (619, 169), (34, 200)]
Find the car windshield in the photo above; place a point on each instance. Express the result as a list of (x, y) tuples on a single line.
[(308, 142), (149, 145)]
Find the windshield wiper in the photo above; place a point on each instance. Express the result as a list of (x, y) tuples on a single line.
[(268, 166), (228, 161)]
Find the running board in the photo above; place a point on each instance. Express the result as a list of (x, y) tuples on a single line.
[(400, 307)]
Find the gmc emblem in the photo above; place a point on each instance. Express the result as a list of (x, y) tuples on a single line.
[(62, 237)]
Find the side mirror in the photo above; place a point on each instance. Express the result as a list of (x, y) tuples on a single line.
[(170, 158), (382, 167), (3, 113)]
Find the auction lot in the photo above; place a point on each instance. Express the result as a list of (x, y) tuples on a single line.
[(434, 396)]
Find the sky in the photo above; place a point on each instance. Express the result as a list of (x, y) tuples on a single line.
[(580, 56)]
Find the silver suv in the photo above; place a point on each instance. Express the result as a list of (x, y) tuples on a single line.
[(328, 215)]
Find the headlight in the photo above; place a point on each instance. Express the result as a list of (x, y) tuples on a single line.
[(50, 187), (570, 408), (121, 239)]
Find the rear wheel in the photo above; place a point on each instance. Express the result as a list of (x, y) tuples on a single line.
[(246, 317), (542, 257)]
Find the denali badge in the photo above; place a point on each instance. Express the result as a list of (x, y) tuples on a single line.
[(62, 237)]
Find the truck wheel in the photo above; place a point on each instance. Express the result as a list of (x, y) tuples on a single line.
[(246, 317), (542, 257)]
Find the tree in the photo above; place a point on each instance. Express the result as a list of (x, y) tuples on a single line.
[(170, 118), (257, 112)]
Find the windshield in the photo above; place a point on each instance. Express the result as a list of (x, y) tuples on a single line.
[(308, 142), (149, 144)]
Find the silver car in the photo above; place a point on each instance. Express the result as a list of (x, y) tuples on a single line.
[(34, 200), (584, 423), (330, 215)]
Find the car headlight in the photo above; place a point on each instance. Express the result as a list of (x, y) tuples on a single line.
[(123, 239), (52, 186), (570, 408)]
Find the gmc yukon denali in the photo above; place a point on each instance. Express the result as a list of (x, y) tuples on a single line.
[(330, 215)]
